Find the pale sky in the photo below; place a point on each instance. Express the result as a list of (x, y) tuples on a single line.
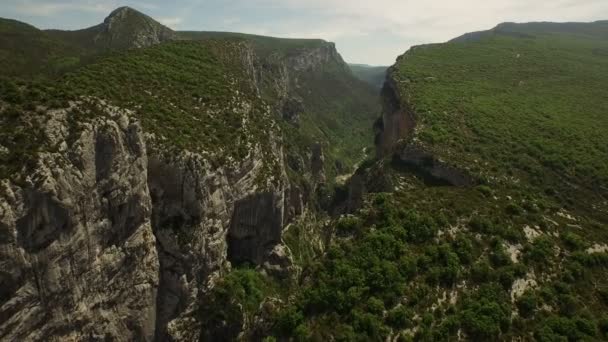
[(371, 32)]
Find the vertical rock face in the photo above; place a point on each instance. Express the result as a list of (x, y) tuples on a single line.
[(315, 58), (113, 238), (78, 247), (255, 228), (397, 122), (205, 217), (317, 162)]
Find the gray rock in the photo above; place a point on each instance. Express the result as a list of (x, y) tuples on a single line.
[(114, 238)]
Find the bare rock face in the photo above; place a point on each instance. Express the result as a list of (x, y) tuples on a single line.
[(127, 28), (293, 107), (398, 121), (114, 238), (205, 218), (314, 58), (78, 247), (317, 162)]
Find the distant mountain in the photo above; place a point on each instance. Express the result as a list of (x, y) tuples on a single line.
[(26, 51), (598, 30), (373, 75), (124, 28)]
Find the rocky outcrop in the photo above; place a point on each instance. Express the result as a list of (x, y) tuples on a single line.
[(313, 59), (125, 28), (128, 28), (396, 137), (433, 170), (112, 237), (317, 163), (293, 107), (398, 120), (78, 251)]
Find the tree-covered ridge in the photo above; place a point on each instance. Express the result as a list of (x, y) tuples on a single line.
[(189, 95), (26, 51), (515, 111), (264, 45), (194, 95)]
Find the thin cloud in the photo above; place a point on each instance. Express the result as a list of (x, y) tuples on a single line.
[(172, 22)]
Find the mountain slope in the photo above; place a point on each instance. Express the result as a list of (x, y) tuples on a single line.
[(485, 215), (124, 28), (134, 184), (27, 51), (595, 30), (312, 88)]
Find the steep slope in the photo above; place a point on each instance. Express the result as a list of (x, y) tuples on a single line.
[(484, 215), (137, 185), (373, 75), (312, 88)]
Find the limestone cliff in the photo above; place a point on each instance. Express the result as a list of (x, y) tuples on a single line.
[(110, 237), (396, 135)]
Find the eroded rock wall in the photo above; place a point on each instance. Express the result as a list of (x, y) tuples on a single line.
[(113, 237), (78, 251), (398, 120)]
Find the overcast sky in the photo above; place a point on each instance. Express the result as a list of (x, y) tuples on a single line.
[(372, 32)]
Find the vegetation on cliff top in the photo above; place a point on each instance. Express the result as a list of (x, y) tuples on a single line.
[(521, 255), (512, 108)]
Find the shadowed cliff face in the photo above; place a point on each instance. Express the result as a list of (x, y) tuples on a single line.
[(398, 121), (44, 223), (255, 228)]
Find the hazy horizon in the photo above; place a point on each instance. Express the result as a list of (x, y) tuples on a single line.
[(365, 33)]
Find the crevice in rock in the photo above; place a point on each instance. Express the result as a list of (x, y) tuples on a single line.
[(178, 210)]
